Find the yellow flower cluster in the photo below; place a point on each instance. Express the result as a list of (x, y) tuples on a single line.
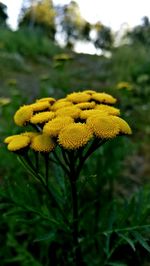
[(124, 85), (69, 122)]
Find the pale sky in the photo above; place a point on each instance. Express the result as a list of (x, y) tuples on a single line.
[(112, 13)]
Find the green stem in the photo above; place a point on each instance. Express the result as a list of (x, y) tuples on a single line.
[(46, 157), (33, 171), (73, 177), (60, 162)]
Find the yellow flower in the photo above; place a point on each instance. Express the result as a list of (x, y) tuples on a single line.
[(103, 126), (47, 99), (42, 117), (87, 113), (74, 136), (124, 85), (62, 57), (23, 115), (12, 82), (58, 105), (88, 105), (4, 101), (109, 109), (90, 92), (30, 134), (62, 100), (103, 98), (18, 142), (40, 106), (71, 111), (53, 127), (124, 128), (78, 97), (42, 143), (8, 139)]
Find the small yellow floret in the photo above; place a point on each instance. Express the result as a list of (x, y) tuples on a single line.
[(88, 105), (90, 92), (124, 85), (53, 127), (123, 125), (108, 109), (51, 100), (71, 111), (103, 126), (78, 97), (18, 142), (40, 106), (87, 113), (103, 98), (8, 139), (30, 134), (60, 104), (42, 117), (42, 143), (23, 115), (74, 136)]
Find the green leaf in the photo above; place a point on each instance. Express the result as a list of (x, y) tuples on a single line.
[(51, 236), (128, 240), (117, 264), (139, 238)]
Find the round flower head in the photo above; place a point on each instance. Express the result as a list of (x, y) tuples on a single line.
[(87, 113), (40, 106), (62, 100), (30, 134), (42, 117), (47, 99), (74, 136), (88, 105), (103, 98), (103, 126), (42, 143), (53, 127), (108, 109), (71, 111), (90, 92), (58, 105), (8, 139), (124, 128), (124, 85), (78, 97), (18, 142), (23, 115)]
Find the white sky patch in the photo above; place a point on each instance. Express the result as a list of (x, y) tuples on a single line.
[(111, 13), (13, 9)]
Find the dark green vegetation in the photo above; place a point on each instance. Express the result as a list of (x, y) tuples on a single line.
[(114, 196)]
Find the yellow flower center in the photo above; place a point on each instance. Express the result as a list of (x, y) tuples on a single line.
[(42, 143), (74, 136)]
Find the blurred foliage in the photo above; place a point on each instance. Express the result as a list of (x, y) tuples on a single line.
[(72, 24), (141, 33), (3, 15), (18, 42), (40, 16), (104, 37)]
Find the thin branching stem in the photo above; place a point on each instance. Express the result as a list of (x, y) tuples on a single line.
[(33, 171), (60, 162), (73, 177), (46, 158)]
